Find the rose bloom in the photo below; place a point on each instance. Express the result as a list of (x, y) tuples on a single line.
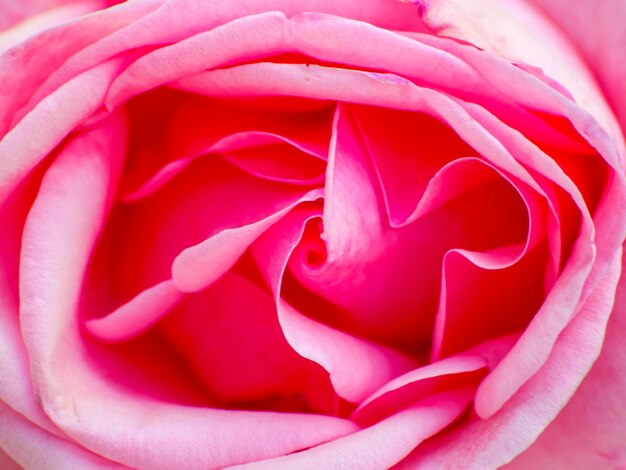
[(353, 234)]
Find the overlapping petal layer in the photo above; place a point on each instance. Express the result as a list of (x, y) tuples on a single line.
[(222, 211)]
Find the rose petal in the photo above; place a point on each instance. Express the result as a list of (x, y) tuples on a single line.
[(595, 30), (458, 372), (335, 350), (385, 90), (534, 347), (378, 364), (142, 239), (588, 433), (379, 266), (377, 298), (29, 69), (403, 95), (104, 417), (481, 296), (381, 445), (496, 441), (449, 374), (518, 32), (94, 173), (7, 462), (493, 81), (267, 34), (29, 22), (32, 447), (173, 21), (349, 85), (137, 315), (230, 337), (265, 155), (16, 389), (169, 128), (199, 266), (259, 35), (573, 128), (53, 118), (408, 149), (277, 161)]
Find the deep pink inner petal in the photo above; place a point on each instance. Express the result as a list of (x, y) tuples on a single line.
[(230, 338), (169, 127), (142, 239), (478, 304), (408, 149), (121, 397), (384, 282), (321, 343), (200, 200), (278, 162)]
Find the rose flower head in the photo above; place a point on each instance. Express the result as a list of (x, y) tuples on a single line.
[(311, 234)]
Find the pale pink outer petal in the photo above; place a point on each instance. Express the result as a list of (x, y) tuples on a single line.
[(597, 29), (381, 445), (176, 20), (24, 68), (53, 15), (139, 431), (34, 448), (12, 11), (494, 442), (590, 431), (21, 149), (16, 388), (517, 31)]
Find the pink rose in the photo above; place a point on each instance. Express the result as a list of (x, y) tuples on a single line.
[(312, 234)]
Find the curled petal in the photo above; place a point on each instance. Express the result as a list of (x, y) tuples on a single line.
[(54, 118), (381, 445), (29, 70), (327, 346), (517, 31), (588, 432), (76, 395), (32, 447), (595, 29), (452, 373), (494, 442), (138, 314), (199, 266)]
